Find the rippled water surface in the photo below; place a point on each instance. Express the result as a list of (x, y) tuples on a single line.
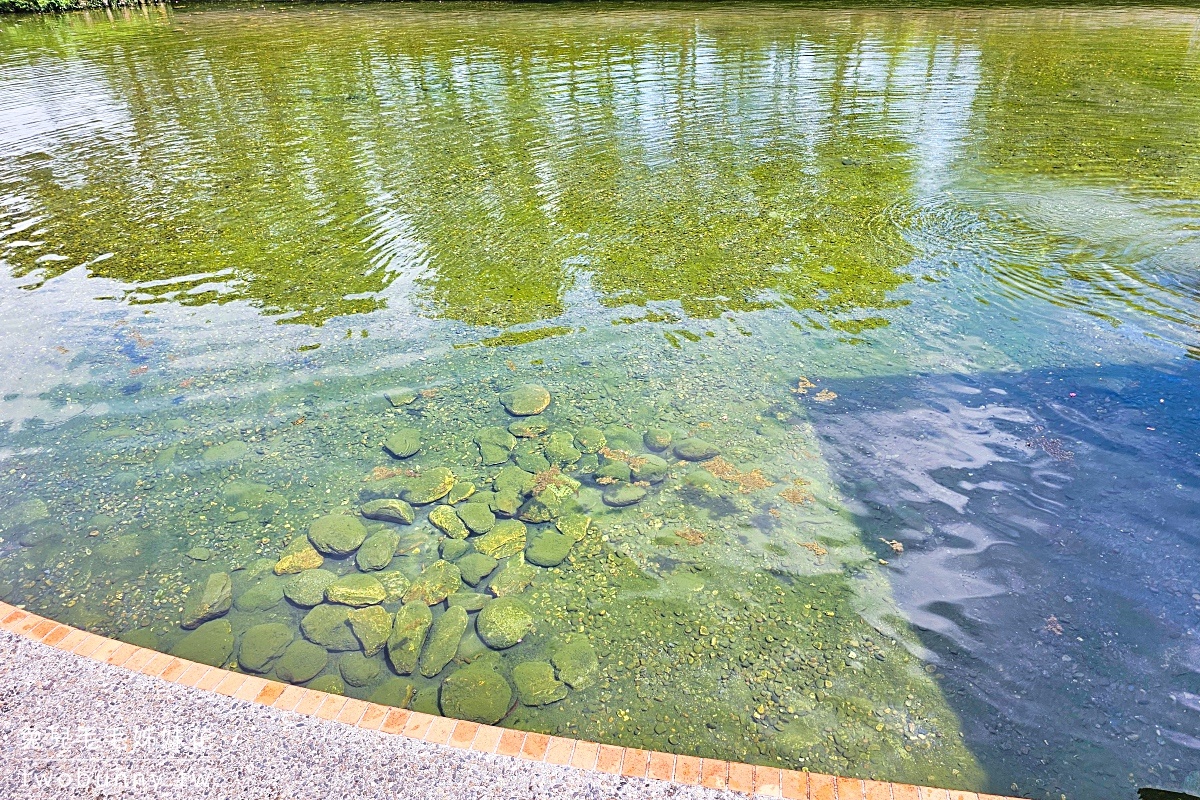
[(870, 337)]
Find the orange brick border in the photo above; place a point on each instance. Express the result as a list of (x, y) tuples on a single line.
[(589, 756)]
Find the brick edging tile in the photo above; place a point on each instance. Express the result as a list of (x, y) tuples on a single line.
[(686, 770)]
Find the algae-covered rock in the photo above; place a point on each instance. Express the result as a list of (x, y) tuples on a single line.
[(529, 457), (494, 445), (301, 662), (297, 557), (264, 594), (505, 504), (460, 491), (229, 451), (621, 438), (560, 448), (446, 520), (548, 548), (408, 636), (442, 641), (209, 600), (590, 440), (476, 693), (356, 590), (696, 450), (468, 601), (371, 626), (434, 583), (536, 684), (377, 551), (476, 516), (504, 622), (527, 428), (394, 582), (506, 538), (403, 442), (612, 471), (514, 578), (336, 534), (657, 439), (556, 498), (308, 588), (475, 567), (330, 684), (577, 664), (401, 396), (623, 494), (425, 701), (211, 643), (574, 525), (452, 549), (199, 554), (262, 644), (525, 400), (329, 626), (357, 669), (513, 479), (429, 486), (649, 468), (395, 692), (388, 509), (703, 481)]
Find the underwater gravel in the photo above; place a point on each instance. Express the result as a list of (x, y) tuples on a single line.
[(72, 727)]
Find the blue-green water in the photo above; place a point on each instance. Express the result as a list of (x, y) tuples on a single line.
[(924, 281)]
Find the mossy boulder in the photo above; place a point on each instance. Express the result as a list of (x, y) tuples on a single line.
[(506, 503), (621, 438), (574, 525), (336, 534), (357, 669), (301, 661), (425, 701), (329, 626), (694, 449), (620, 495), (442, 641), (476, 693), (403, 442), (560, 448), (395, 583), (555, 499), (494, 445), (447, 521), (377, 551), (506, 538), (649, 468), (548, 548), (527, 428), (476, 516), (297, 557), (211, 643), (453, 549), (525, 400), (612, 471), (514, 578), (388, 509), (529, 457), (356, 590), (262, 644), (513, 479), (657, 439), (209, 600), (577, 664), (468, 601), (401, 396), (262, 595), (395, 692), (434, 584), (536, 684), (474, 567), (308, 588), (371, 626), (460, 491), (330, 684), (429, 487), (590, 440), (504, 622), (408, 636)]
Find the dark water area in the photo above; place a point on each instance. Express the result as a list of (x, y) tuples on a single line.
[(869, 338)]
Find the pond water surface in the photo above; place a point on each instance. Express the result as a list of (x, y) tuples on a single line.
[(870, 338)]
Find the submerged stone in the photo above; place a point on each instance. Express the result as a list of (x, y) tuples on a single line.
[(209, 600), (506, 504), (377, 551), (199, 554), (371, 626), (389, 510), (525, 400), (590, 440), (301, 661), (211, 643), (336, 534), (494, 445), (577, 664), (394, 582), (657, 439), (395, 692), (442, 642), (330, 684), (403, 442), (548, 548), (434, 583), (623, 494), (476, 516), (560, 448), (356, 590), (357, 669), (447, 521), (329, 626), (297, 557), (651, 469), (262, 644), (696, 450), (476, 693), (401, 396), (574, 525), (308, 588), (528, 456), (612, 471), (536, 684), (506, 538), (475, 567), (429, 486), (513, 480), (460, 491), (504, 622), (229, 451), (514, 578), (266, 593), (527, 428), (452, 549), (468, 601), (425, 701), (408, 636)]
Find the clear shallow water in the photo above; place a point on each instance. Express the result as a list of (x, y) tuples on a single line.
[(973, 232)]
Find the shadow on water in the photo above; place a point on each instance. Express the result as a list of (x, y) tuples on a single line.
[(1047, 520)]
